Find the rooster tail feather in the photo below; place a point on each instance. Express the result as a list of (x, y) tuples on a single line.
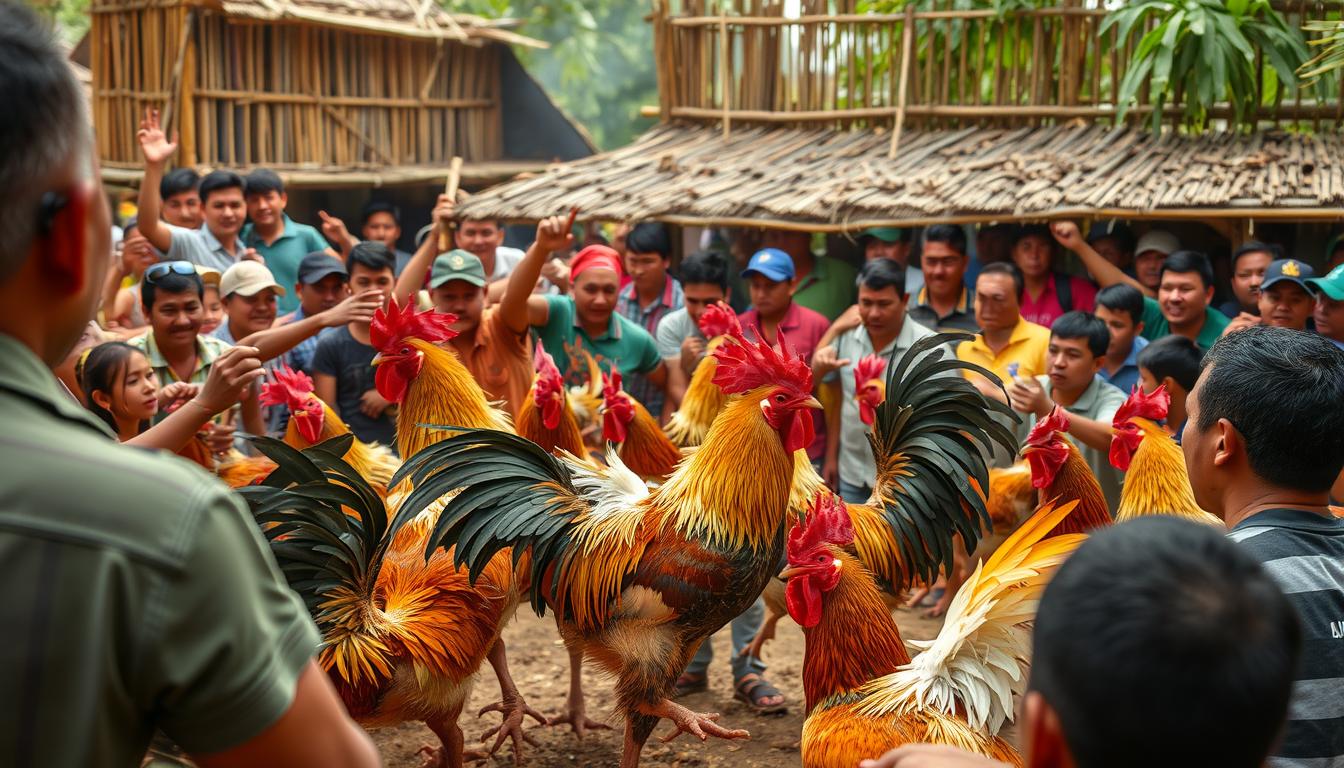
[(928, 440), (978, 662)]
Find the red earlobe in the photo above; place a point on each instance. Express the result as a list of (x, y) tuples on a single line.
[(65, 242)]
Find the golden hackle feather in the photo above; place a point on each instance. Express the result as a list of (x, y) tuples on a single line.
[(444, 392), (976, 665), (565, 437), (838, 736), (1157, 482), (646, 450), (701, 403), (1011, 496)]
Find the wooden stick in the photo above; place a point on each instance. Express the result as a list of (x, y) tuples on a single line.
[(907, 43), (450, 189)]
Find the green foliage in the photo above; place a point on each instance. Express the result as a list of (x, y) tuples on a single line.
[(1329, 60), (1203, 52), (599, 67), (71, 17)]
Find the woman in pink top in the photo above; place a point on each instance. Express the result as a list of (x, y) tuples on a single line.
[(1047, 294)]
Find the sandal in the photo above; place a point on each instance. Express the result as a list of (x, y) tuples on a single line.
[(689, 683), (752, 689)]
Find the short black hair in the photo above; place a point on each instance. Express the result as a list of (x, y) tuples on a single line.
[(101, 370), (705, 268), (1004, 268), (261, 181), (170, 283), (215, 181), (177, 181), (1282, 390), (379, 206), (951, 235), (1189, 261), (370, 255), (1149, 617), (649, 237), (1174, 356), (1255, 246), (1083, 325), (1033, 230), (1122, 297), (878, 274)]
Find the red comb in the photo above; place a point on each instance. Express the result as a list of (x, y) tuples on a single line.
[(747, 365), (868, 368), (718, 320), (289, 388), (826, 523), (549, 380), (395, 323), (1044, 432), (1140, 405), (618, 408)]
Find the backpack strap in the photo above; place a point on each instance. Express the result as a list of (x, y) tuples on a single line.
[(1064, 292)]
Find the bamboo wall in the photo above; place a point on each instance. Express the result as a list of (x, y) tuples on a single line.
[(743, 61), (290, 96)]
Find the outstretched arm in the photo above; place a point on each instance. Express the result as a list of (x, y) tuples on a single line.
[(413, 275), (520, 308), (277, 340), (1104, 272), (231, 375), (156, 148)]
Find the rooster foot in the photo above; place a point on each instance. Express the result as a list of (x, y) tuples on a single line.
[(436, 757), (694, 723), (515, 713), (577, 719)]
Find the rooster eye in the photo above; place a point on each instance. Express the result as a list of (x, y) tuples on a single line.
[(405, 350), (779, 398), (821, 558)]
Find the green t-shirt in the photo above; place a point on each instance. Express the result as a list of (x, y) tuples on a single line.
[(283, 257), (140, 593), (625, 346), (828, 289), (1155, 326)]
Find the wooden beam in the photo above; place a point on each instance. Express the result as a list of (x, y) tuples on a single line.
[(363, 138)]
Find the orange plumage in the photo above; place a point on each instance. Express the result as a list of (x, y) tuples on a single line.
[(703, 399), (643, 446), (1156, 480), (547, 415), (1058, 470)]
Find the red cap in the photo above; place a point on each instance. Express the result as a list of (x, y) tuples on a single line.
[(595, 257)]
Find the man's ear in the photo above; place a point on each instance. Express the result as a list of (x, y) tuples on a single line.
[(1171, 384), (1208, 295), (1043, 744), (62, 244), (1227, 444), (1138, 328)]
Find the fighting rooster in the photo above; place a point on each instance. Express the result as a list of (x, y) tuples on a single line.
[(870, 388), (547, 415), (1059, 471), (703, 399), (865, 694), (627, 423), (1156, 481)]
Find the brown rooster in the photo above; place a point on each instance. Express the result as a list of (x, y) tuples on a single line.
[(643, 447), (1156, 481), (703, 399), (870, 386), (865, 694), (1059, 472)]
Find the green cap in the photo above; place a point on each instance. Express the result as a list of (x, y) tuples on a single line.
[(1331, 285), (885, 234), (457, 264)]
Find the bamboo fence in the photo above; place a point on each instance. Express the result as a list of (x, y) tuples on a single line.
[(296, 95)]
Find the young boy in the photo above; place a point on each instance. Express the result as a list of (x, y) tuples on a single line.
[(1173, 362), (704, 281), (1120, 306), (280, 240)]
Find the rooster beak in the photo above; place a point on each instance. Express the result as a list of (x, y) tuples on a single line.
[(789, 573), (378, 360), (1026, 449), (812, 402)]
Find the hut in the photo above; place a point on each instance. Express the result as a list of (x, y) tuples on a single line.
[(329, 93), (832, 120)]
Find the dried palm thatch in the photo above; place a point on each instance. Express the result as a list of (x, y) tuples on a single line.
[(834, 180)]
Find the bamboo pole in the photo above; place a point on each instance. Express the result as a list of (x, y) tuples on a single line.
[(907, 43), (450, 189), (725, 74)]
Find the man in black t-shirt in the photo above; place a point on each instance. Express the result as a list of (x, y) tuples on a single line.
[(1264, 441)]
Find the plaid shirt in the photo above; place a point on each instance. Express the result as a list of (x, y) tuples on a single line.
[(648, 317)]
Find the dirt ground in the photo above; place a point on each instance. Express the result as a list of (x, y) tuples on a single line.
[(540, 667)]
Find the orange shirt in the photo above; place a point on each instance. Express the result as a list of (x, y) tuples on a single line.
[(500, 361)]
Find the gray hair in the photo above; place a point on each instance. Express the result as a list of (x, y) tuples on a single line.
[(43, 126)]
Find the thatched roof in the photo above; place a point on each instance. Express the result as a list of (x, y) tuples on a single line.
[(843, 180), (407, 18)]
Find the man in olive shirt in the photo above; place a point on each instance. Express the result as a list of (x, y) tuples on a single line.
[(140, 593)]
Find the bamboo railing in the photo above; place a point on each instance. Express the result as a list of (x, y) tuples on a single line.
[(930, 65), (289, 96)]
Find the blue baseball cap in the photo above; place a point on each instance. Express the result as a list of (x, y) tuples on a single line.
[(1287, 270), (772, 264)]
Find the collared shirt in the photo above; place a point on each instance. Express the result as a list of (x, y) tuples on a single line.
[(1045, 309), (144, 595), (856, 459), (500, 360), (1026, 346), (648, 317), (828, 288), (283, 256), (1098, 402), (1155, 324), (1303, 551), (675, 327), (207, 349), (960, 318), (804, 329), (624, 346), (914, 280), (1127, 375), (200, 246)]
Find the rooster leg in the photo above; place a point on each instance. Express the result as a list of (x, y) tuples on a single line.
[(638, 728), (452, 752), (511, 707), (694, 723), (576, 709)]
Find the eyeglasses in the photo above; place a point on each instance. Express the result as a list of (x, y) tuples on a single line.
[(157, 271)]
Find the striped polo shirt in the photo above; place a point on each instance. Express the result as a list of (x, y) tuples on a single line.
[(1304, 553)]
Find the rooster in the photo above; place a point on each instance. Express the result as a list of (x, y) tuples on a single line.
[(870, 388), (641, 580), (1156, 481), (547, 416), (402, 636), (626, 422), (865, 694), (1059, 472), (703, 399)]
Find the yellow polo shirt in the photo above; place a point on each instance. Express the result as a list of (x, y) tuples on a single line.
[(1026, 347)]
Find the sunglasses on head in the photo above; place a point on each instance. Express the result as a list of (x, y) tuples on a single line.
[(157, 271)]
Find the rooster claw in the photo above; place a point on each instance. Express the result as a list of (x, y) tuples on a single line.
[(579, 722), (695, 723), (434, 757), (515, 713)]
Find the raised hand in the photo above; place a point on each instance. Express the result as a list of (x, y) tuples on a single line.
[(825, 360), (154, 144), (354, 309), (1066, 234), (230, 379), (553, 233), (333, 228)]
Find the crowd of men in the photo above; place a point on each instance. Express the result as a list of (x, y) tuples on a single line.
[(146, 598)]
